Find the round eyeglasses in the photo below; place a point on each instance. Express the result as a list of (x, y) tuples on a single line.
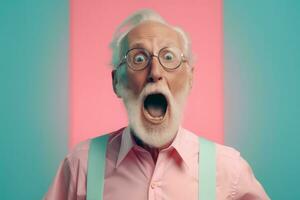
[(137, 59)]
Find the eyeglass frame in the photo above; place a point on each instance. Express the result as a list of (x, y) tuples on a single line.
[(150, 55)]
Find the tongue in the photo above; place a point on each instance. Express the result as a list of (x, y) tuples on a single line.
[(155, 110)]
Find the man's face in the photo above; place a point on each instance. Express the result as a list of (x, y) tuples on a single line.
[(154, 97)]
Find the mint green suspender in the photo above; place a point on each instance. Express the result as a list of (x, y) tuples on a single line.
[(207, 170), (96, 169)]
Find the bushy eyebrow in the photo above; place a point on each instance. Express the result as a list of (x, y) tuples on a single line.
[(137, 45)]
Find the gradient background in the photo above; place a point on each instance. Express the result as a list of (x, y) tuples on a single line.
[(93, 23), (255, 55)]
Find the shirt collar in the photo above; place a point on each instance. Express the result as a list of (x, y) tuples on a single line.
[(127, 143), (180, 144)]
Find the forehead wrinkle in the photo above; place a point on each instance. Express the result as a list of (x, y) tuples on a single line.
[(155, 35), (145, 43), (154, 46)]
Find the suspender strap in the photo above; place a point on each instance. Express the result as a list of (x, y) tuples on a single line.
[(207, 170), (96, 168)]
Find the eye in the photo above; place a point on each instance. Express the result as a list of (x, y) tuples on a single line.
[(168, 56), (139, 58)]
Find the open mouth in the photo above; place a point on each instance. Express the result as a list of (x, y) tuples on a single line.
[(155, 107)]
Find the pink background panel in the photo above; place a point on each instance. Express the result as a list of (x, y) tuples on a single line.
[(95, 110)]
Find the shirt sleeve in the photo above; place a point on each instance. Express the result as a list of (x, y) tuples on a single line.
[(62, 188), (247, 186)]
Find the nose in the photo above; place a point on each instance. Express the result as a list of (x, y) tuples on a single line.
[(155, 70)]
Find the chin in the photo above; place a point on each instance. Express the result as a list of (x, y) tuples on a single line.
[(154, 116)]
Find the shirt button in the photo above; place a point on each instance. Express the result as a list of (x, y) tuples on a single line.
[(153, 185)]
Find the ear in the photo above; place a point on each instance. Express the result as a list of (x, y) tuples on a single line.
[(115, 82)]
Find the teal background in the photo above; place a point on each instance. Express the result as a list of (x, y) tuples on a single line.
[(262, 79), (261, 55), (34, 42)]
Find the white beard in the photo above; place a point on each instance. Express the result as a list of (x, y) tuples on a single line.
[(154, 135)]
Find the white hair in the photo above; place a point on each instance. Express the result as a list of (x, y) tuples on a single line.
[(134, 20)]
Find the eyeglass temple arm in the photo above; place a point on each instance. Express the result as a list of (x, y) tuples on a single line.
[(122, 61)]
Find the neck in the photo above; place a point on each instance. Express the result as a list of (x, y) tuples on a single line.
[(154, 151)]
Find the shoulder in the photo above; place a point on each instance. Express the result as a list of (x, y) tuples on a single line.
[(227, 153), (70, 180), (231, 162), (228, 164), (78, 156), (80, 151), (234, 172), (224, 153), (229, 169)]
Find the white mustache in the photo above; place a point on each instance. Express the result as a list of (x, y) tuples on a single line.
[(152, 88)]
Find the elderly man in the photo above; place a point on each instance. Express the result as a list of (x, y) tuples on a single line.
[(154, 157)]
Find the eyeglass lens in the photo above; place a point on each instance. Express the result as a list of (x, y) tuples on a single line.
[(139, 58)]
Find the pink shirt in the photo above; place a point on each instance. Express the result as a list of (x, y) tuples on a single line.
[(132, 174)]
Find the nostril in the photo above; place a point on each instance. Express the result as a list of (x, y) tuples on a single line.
[(155, 72), (152, 79)]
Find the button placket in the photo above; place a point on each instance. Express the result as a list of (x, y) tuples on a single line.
[(155, 190)]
